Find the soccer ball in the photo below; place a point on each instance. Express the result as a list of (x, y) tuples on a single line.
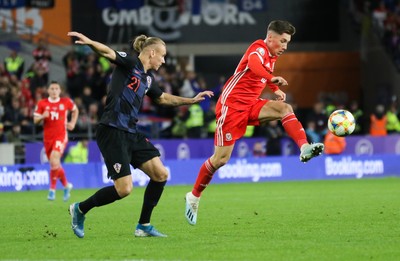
[(341, 123)]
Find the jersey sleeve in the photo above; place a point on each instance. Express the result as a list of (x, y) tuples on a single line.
[(124, 59), (70, 105), (256, 67), (259, 50), (272, 86), (155, 91)]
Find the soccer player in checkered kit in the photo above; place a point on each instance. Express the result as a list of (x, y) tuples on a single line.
[(117, 135)]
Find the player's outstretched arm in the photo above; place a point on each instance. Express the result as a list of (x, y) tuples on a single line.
[(173, 100), (99, 48)]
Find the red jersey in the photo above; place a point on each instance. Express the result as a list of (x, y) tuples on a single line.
[(244, 87), (55, 126)]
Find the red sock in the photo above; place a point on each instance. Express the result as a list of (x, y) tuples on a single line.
[(294, 129), (62, 177), (204, 177), (53, 178)]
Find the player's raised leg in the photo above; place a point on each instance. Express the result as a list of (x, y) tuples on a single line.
[(273, 110)]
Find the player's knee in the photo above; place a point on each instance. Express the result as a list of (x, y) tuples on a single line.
[(124, 190), (286, 109), (55, 164), (161, 176), (220, 162)]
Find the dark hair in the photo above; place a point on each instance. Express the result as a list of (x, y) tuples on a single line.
[(281, 27), (142, 41), (54, 82)]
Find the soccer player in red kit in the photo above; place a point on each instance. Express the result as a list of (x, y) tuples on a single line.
[(53, 112), (240, 105)]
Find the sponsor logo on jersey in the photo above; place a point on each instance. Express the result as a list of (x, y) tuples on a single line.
[(261, 51), (228, 136), (122, 54), (117, 167)]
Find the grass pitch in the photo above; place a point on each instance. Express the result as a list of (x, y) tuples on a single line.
[(313, 220)]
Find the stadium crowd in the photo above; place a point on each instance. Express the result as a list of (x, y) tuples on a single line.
[(381, 17), (87, 77)]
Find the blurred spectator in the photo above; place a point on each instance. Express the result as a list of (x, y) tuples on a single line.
[(190, 85), (72, 64), (25, 96), (93, 112), (14, 136), (13, 114), (378, 121), (334, 144), (195, 121), (393, 122), (258, 149), (37, 80), (319, 117), (312, 135), (358, 116), (87, 97), (79, 153), (14, 64), (274, 134), (42, 57), (178, 127), (210, 122)]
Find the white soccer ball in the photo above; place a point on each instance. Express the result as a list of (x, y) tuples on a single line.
[(341, 123)]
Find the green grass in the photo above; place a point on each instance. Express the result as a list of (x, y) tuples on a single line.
[(313, 220)]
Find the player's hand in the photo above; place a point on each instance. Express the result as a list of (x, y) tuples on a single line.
[(82, 39), (201, 96), (70, 126), (46, 114), (281, 95), (278, 80)]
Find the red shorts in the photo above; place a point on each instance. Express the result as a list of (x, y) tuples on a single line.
[(57, 145), (232, 123)]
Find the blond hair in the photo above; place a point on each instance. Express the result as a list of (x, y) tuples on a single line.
[(142, 41)]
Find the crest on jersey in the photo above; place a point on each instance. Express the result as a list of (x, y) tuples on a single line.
[(61, 107), (261, 51), (148, 81), (117, 167), (122, 54), (228, 136)]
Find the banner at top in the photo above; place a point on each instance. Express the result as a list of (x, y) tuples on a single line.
[(203, 21)]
